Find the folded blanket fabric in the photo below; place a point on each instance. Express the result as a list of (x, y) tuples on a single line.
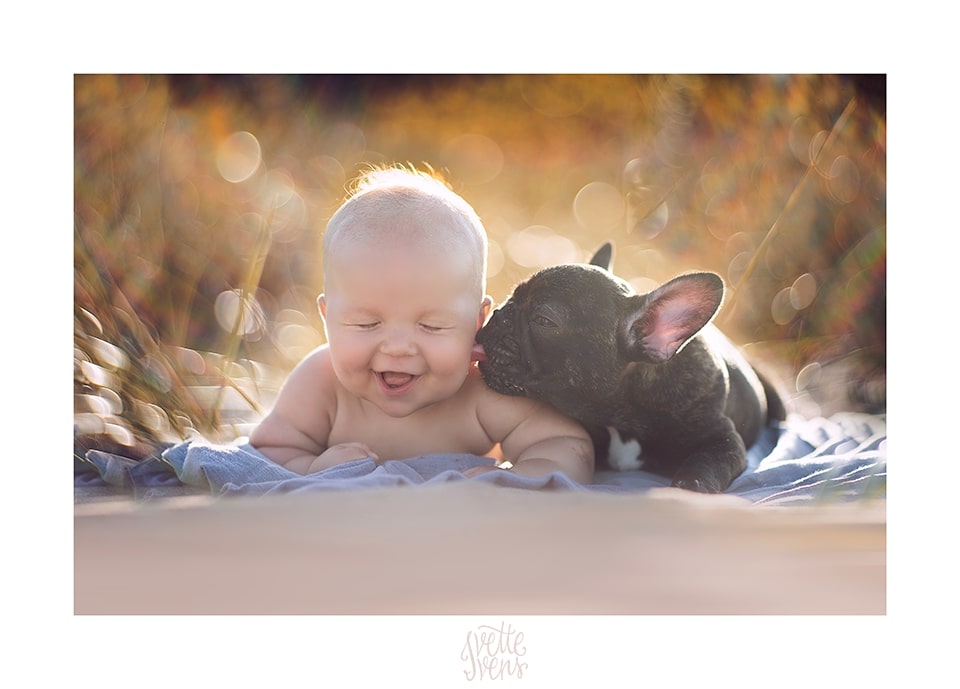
[(843, 457)]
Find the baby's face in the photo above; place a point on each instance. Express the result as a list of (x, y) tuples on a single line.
[(401, 323)]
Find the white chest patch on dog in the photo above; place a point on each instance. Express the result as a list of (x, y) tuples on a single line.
[(623, 456)]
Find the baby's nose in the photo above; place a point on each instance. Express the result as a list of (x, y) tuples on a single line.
[(398, 342)]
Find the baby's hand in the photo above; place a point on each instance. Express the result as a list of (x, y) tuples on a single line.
[(341, 454)]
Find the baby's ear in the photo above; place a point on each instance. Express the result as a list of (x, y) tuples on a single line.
[(322, 306), (485, 305)]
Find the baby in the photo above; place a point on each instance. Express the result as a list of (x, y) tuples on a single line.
[(404, 278)]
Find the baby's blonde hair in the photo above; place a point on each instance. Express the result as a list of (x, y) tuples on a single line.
[(407, 193)]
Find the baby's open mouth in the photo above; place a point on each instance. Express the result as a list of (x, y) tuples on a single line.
[(395, 379)]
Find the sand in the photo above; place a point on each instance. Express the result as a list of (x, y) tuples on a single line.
[(472, 549)]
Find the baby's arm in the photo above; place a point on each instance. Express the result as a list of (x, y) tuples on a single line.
[(538, 440), (295, 431)]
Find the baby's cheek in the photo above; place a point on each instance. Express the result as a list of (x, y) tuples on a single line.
[(453, 355)]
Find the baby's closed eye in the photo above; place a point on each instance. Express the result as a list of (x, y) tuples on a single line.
[(435, 327)]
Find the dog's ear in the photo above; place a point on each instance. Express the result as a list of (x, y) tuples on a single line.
[(660, 323), (603, 257)]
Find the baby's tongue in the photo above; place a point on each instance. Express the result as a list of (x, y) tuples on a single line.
[(394, 379)]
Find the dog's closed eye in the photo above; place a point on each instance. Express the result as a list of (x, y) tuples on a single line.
[(544, 322)]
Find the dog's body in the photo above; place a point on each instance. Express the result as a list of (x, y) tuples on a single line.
[(651, 379)]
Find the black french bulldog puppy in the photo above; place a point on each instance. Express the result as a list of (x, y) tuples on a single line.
[(652, 380)]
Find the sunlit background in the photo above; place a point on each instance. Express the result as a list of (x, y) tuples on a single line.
[(200, 203)]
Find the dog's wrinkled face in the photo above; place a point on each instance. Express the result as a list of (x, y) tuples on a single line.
[(545, 341), (566, 335)]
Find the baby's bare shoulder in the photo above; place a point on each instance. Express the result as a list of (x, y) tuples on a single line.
[(498, 414), (502, 414), (316, 366), (311, 386)]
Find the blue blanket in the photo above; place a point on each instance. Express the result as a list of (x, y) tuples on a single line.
[(801, 460)]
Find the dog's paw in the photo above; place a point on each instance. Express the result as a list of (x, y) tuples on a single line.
[(699, 485), (623, 454)]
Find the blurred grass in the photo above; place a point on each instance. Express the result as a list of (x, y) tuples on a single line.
[(200, 202)]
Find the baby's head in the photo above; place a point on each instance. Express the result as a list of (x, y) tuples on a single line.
[(398, 206), (404, 273)]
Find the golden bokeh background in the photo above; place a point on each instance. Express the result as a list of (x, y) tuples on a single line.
[(200, 203)]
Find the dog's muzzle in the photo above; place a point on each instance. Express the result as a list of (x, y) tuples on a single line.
[(501, 367), (503, 362)]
